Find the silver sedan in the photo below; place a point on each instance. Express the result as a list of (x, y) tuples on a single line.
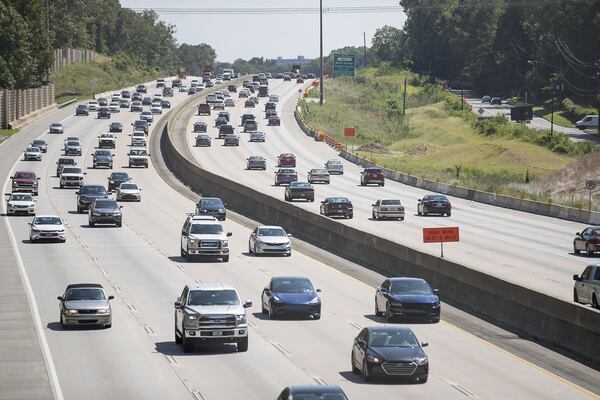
[(388, 208)]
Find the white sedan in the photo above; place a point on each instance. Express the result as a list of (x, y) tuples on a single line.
[(48, 227), (19, 203), (129, 191), (270, 240), (32, 153)]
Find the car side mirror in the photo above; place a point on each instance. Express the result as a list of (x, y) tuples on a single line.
[(436, 290), (578, 234), (59, 298), (424, 344), (383, 290), (323, 202), (318, 290), (267, 290), (178, 304), (120, 207), (111, 297), (228, 234), (419, 200), (247, 304), (576, 277), (183, 233), (289, 235), (37, 179)]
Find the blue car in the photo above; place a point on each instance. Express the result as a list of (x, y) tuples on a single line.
[(408, 298), (291, 295)]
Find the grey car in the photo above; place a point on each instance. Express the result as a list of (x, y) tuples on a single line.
[(231, 140), (257, 136), (256, 162), (56, 127), (203, 140), (105, 211), (41, 144), (85, 304), (103, 158)]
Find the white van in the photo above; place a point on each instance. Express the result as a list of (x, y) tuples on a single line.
[(589, 121)]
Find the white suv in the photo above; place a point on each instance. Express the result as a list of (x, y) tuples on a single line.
[(204, 236)]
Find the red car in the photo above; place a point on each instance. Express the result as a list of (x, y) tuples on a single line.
[(25, 181), (286, 160), (249, 103), (274, 120), (372, 175), (204, 109)]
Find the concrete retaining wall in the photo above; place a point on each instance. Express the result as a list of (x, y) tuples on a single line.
[(555, 322), (17, 104), (70, 56)]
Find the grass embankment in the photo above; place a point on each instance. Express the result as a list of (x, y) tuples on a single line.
[(6, 133), (435, 137), (86, 79)]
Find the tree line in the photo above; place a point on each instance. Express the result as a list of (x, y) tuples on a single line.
[(26, 42), (547, 48)]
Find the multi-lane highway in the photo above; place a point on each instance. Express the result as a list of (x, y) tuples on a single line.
[(531, 250), (140, 265)]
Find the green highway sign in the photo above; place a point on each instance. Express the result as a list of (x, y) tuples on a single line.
[(344, 64)]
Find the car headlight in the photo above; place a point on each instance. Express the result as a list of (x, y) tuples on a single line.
[(436, 305), (397, 304), (96, 213), (69, 311), (225, 243), (240, 319), (34, 229), (103, 311), (275, 298), (193, 241), (315, 300), (421, 360), (61, 230), (374, 360), (221, 210), (11, 205)]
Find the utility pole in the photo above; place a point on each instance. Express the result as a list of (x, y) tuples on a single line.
[(404, 101), (48, 35), (365, 47), (321, 53)]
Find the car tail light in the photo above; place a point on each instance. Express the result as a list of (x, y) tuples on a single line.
[(401, 208), (595, 240), (349, 206), (384, 209)]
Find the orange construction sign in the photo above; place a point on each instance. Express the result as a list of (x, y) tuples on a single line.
[(440, 235), (315, 83), (349, 131)]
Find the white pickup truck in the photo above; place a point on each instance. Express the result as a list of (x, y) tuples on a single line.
[(587, 286)]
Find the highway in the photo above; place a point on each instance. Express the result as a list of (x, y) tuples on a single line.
[(531, 250), (140, 265)]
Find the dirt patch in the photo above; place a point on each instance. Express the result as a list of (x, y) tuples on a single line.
[(420, 150), (373, 148)]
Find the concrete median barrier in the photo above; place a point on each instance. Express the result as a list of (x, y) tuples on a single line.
[(549, 320)]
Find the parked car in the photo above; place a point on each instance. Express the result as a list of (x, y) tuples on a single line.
[(212, 206), (84, 304), (203, 140), (299, 191), (334, 167), (256, 162), (286, 160), (388, 208), (407, 298), (20, 203), (389, 351), (434, 204), (105, 211), (372, 175), (291, 295), (587, 286), (329, 392), (269, 240), (102, 158), (318, 175), (588, 240), (285, 176), (47, 227), (337, 206), (116, 179)]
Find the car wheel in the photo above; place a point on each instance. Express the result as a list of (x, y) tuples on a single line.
[(79, 210), (362, 183), (354, 369), (389, 316), (242, 344), (108, 326), (575, 249), (263, 308), (401, 218), (365, 372), (62, 186), (317, 316), (595, 301), (377, 312), (419, 212), (382, 184), (271, 312), (423, 379), (588, 250), (226, 259), (250, 251), (575, 296), (188, 345), (92, 223), (350, 216), (188, 257), (62, 322), (177, 337), (119, 224), (374, 216), (448, 214)]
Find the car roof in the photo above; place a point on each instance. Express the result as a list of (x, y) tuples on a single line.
[(298, 389), (209, 198), (269, 227), (388, 328), (48, 216), (210, 286), (24, 172), (84, 285), (138, 148), (283, 277), (405, 279)]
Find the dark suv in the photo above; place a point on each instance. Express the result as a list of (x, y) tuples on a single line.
[(63, 162), (225, 130), (141, 125), (105, 211), (337, 206), (116, 178), (372, 176), (211, 206), (87, 194)]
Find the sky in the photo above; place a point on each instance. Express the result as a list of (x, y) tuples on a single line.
[(270, 36)]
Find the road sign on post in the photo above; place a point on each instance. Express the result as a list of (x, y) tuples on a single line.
[(344, 65), (441, 235), (349, 131)]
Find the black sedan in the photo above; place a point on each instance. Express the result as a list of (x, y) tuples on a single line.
[(588, 241), (213, 206), (389, 351), (231, 140), (221, 121), (285, 176), (116, 178), (82, 109), (304, 392), (300, 191), (337, 206), (165, 104), (200, 126), (434, 204), (115, 127), (292, 295), (407, 297)]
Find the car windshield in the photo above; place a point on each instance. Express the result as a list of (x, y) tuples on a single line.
[(300, 185), (213, 297), (85, 294), (373, 170), (334, 162), (56, 125), (93, 190), (24, 175), (408, 287), (391, 202), (115, 124), (338, 200), (21, 197), (121, 176), (257, 158), (271, 232), (292, 286), (138, 133), (107, 204), (71, 170), (319, 396), (435, 198), (38, 143), (128, 186), (104, 153), (319, 171), (33, 149), (138, 152), (206, 229), (47, 221), (286, 171), (72, 143), (392, 338), (64, 161), (211, 203)]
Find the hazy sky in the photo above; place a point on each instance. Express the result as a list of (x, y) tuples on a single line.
[(246, 36)]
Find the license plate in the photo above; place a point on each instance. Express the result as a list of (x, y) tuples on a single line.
[(218, 333), (438, 204), (46, 234)]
